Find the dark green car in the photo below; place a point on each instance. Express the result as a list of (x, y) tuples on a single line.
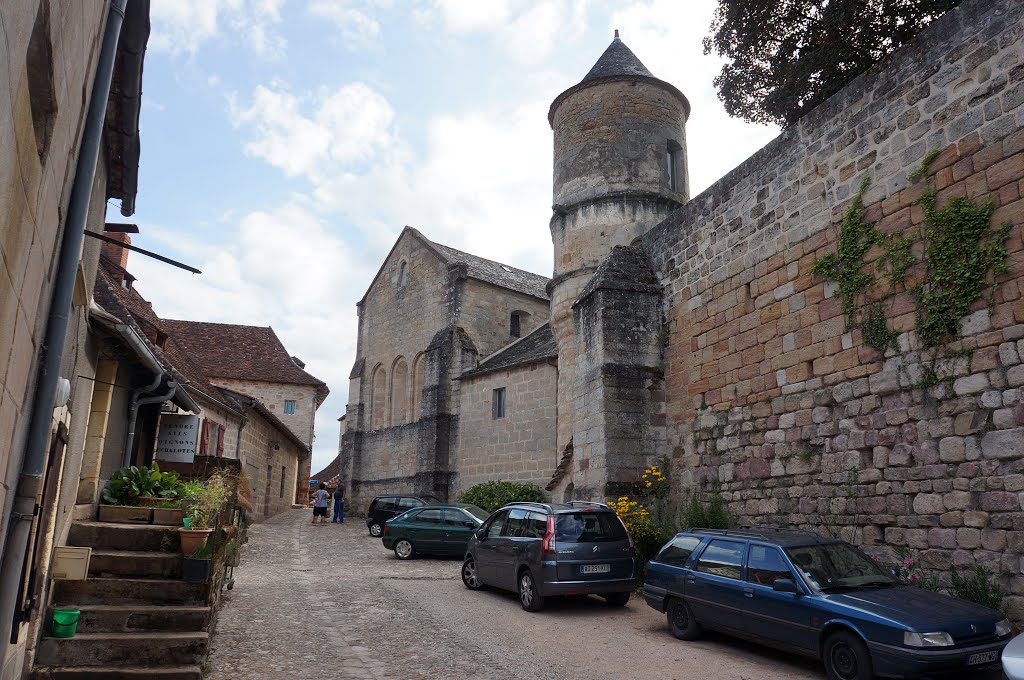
[(432, 529)]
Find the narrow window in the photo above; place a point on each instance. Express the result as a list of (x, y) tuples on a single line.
[(498, 403), (289, 407), (672, 157), (39, 65), (514, 325), (282, 481), (403, 275)]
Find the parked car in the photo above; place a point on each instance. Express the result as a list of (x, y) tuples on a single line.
[(822, 598), (432, 529), (541, 550), (383, 508), (1013, 659)]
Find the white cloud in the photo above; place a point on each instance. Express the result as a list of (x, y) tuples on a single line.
[(345, 126), (355, 25), (184, 26), (526, 31)]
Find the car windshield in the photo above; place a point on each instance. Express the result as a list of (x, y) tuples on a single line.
[(838, 566), (479, 513), (431, 500), (588, 527)]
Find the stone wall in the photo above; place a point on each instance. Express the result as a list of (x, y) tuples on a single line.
[(769, 395), (485, 313), (266, 466), (519, 447), (273, 396)]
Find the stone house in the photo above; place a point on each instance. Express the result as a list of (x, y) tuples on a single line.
[(69, 107), (697, 329)]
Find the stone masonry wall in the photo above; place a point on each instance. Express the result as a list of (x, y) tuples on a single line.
[(259, 454), (769, 396), (519, 447), (485, 311), (273, 396)]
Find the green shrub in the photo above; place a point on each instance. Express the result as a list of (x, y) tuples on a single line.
[(978, 587), (492, 495), (706, 511), (128, 483)]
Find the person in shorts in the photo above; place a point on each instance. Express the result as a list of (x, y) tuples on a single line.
[(320, 502)]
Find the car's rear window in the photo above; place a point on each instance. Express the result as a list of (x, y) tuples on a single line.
[(588, 527)]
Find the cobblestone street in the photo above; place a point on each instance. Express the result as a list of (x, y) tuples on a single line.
[(330, 601)]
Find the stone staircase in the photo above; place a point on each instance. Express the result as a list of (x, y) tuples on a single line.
[(138, 619)]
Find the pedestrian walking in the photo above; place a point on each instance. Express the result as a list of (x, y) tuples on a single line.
[(320, 502), (339, 505)]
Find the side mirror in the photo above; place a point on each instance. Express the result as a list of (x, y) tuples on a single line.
[(785, 585), (469, 524)]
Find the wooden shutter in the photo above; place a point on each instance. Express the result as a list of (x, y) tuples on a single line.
[(220, 441), (204, 449)]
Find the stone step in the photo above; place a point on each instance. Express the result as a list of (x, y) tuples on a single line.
[(115, 649), (135, 563), (136, 537), (105, 618), (189, 672), (137, 591)]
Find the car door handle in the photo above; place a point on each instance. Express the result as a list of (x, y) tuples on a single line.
[(748, 592), (690, 579)]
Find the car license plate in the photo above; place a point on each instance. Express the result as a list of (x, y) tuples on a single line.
[(983, 657), (596, 568)]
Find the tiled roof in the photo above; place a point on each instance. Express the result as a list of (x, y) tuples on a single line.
[(625, 268), (535, 347), (496, 273), (332, 470), (617, 60), (241, 352)]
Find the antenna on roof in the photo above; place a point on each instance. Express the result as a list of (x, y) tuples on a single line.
[(616, 33)]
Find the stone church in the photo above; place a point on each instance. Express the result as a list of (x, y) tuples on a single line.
[(469, 370), (698, 328)]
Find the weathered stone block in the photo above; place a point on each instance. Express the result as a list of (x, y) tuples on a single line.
[(929, 504), (1003, 444)]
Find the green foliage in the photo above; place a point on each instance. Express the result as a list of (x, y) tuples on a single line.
[(978, 587), (492, 495), (707, 511), (785, 58), (964, 256), (127, 484), (191, 489), (210, 500), (910, 571)]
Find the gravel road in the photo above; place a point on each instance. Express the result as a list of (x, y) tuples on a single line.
[(330, 602)]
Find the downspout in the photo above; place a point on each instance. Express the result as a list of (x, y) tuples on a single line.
[(52, 351), (133, 411)]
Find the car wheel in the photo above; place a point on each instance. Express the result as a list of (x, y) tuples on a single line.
[(846, 657), (404, 549), (376, 529), (470, 576), (617, 599), (529, 598), (681, 621)]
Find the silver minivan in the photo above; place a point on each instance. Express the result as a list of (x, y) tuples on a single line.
[(542, 550)]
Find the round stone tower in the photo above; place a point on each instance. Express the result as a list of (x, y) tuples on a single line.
[(619, 169)]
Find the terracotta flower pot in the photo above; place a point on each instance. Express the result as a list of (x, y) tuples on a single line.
[(193, 540)]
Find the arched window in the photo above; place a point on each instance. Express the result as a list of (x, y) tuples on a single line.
[(403, 275), (418, 374), (400, 392), (378, 398)]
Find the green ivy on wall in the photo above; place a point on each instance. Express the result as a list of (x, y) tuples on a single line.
[(963, 257)]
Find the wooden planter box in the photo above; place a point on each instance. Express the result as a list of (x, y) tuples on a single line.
[(125, 514), (170, 517)]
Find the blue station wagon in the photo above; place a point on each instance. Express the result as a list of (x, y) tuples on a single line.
[(821, 598)]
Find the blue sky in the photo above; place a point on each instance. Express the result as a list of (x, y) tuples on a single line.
[(286, 143)]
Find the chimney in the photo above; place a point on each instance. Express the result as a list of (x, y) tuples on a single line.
[(117, 253)]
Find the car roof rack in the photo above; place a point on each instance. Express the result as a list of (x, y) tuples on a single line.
[(546, 506), (575, 503)]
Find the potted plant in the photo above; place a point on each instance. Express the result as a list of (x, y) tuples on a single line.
[(196, 568), (121, 496), (159, 487), (204, 513)]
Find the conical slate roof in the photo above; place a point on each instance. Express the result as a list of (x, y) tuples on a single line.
[(617, 60), (617, 63)]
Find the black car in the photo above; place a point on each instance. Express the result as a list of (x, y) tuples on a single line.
[(383, 508), (539, 550)]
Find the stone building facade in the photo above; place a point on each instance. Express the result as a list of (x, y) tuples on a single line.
[(697, 329)]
